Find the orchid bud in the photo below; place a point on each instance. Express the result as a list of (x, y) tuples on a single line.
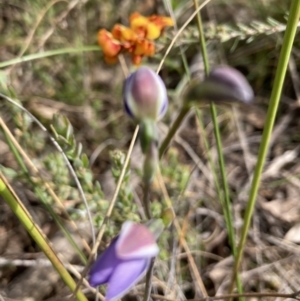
[(145, 95), (223, 84)]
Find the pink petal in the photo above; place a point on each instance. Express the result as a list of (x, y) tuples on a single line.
[(136, 241)]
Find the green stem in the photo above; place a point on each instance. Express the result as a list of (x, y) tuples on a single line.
[(22, 214), (210, 159), (271, 114), (226, 205), (183, 112), (149, 280), (40, 55), (146, 191), (202, 40)]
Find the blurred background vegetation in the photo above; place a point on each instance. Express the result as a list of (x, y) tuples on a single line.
[(83, 88)]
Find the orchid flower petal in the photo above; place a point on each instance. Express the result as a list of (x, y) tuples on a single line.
[(125, 276), (136, 241), (104, 266)]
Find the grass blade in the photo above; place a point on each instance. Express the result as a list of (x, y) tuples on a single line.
[(288, 40), (23, 215), (40, 55)]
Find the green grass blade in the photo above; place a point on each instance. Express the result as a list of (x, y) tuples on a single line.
[(288, 40), (22, 214), (40, 55), (175, 126)]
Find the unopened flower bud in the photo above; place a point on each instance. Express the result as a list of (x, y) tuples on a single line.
[(145, 95), (223, 84)]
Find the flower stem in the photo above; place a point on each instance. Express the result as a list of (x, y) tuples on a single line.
[(226, 203), (146, 191), (289, 36), (149, 280), (175, 126)]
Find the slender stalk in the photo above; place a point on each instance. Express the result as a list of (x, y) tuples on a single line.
[(148, 280), (288, 40), (23, 215), (202, 39), (168, 5), (175, 126), (146, 191), (226, 203)]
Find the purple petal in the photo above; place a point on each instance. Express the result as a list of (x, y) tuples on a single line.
[(104, 265), (127, 110), (125, 276), (136, 241), (126, 91)]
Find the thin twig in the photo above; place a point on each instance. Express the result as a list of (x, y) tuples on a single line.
[(179, 33)]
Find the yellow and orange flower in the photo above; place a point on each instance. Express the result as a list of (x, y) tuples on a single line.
[(136, 39), (149, 27), (144, 47), (124, 34), (110, 46)]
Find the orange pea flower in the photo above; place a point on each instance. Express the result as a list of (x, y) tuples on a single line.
[(136, 39), (124, 34), (151, 27), (136, 60), (144, 47), (110, 46), (161, 21)]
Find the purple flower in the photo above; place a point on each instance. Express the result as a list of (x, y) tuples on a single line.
[(145, 95), (223, 84), (125, 261)]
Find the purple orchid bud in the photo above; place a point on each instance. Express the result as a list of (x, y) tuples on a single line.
[(223, 84), (145, 95), (125, 261)]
